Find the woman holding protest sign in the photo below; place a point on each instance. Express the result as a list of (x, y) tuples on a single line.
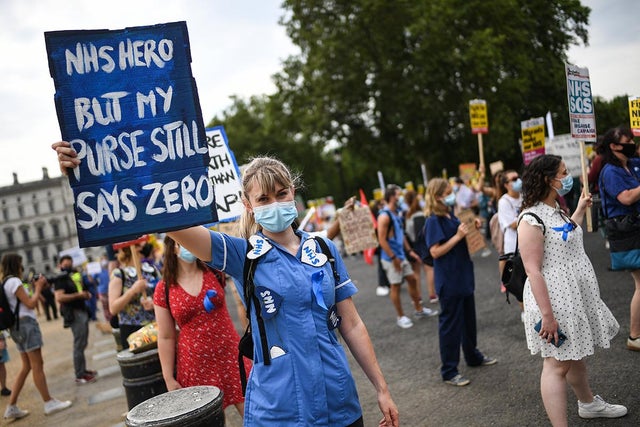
[(130, 296), (565, 319), (302, 295), (619, 186), (455, 284)]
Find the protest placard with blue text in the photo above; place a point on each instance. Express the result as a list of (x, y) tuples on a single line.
[(127, 102), (582, 116)]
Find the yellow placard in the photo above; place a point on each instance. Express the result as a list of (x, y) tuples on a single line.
[(478, 115), (634, 114)]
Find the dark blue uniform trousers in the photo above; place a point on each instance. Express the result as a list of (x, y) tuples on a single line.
[(457, 326)]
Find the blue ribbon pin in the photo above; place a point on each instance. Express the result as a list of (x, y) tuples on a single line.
[(565, 229), (208, 300), (316, 280)]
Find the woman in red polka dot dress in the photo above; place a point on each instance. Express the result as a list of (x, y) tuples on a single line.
[(207, 344)]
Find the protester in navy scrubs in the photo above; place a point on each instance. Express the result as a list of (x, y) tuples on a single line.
[(455, 284), (308, 380)]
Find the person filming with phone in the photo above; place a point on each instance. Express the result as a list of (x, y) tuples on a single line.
[(564, 317)]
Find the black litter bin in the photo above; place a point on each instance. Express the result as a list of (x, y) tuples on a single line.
[(141, 375), (199, 406)]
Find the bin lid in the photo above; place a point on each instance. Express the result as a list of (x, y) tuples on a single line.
[(169, 408)]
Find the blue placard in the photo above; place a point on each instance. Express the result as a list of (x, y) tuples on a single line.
[(127, 102)]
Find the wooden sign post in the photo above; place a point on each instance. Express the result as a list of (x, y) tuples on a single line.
[(479, 125)]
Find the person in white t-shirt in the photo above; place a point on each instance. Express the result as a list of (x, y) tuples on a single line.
[(27, 336), (508, 210), (509, 207)]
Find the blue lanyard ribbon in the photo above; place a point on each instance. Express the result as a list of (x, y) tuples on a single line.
[(316, 280), (565, 229)]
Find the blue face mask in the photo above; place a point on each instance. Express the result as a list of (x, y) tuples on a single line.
[(450, 200), (277, 216), (517, 185), (186, 256), (567, 185)]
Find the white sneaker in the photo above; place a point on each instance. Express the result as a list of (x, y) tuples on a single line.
[(54, 405), (600, 409), (404, 322), (426, 312), (485, 252), (382, 291), (13, 412)]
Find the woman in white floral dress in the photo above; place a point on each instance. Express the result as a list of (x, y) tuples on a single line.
[(561, 292)]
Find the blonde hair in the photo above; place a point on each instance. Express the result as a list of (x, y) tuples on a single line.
[(436, 188), (268, 173)]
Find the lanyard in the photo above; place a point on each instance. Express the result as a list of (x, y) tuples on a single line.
[(316, 280)]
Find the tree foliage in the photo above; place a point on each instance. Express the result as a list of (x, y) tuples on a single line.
[(389, 84)]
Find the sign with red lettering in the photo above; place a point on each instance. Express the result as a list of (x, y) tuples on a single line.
[(127, 102)]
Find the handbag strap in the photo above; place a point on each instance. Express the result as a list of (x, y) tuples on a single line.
[(537, 218)]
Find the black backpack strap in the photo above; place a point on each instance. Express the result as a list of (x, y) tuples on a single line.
[(324, 247), (249, 297), (16, 312)]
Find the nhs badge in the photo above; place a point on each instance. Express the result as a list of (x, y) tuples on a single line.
[(333, 320), (270, 302), (260, 246), (310, 256)]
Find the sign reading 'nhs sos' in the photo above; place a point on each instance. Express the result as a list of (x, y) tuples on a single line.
[(127, 102)]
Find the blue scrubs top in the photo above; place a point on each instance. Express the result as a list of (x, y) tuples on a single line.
[(453, 272), (613, 181), (309, 381), (396, 242)]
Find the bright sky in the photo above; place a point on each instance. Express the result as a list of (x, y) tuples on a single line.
[(236, 47)]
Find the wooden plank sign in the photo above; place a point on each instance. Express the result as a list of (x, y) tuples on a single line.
[(127, 102), (356, 227), (475, 240)]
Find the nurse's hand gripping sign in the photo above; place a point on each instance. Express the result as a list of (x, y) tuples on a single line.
[(127, 102)]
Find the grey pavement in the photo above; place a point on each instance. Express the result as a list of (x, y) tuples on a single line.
[(506, 394)]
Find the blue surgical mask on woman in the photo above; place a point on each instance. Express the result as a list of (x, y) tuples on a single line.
[(450, 200), (186, 256), (277, 216), (567, 184), (517, 185)]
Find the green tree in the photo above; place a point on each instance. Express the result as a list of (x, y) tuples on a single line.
[(612, 113), (390, 82)]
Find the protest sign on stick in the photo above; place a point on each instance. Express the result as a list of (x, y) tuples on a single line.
[(357, 230), (634, 114), (475, 240), (127, 102), (582, 118), (479, 124), (532, 139)]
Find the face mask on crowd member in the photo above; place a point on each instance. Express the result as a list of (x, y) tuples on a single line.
[(517, 185), (450, 200), (186, 256), (628, 149), (567, 185), (277, 216)]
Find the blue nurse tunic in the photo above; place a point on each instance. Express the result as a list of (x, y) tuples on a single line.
[(308, 381)]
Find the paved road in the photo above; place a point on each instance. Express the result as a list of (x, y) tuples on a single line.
[(506, 394)]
